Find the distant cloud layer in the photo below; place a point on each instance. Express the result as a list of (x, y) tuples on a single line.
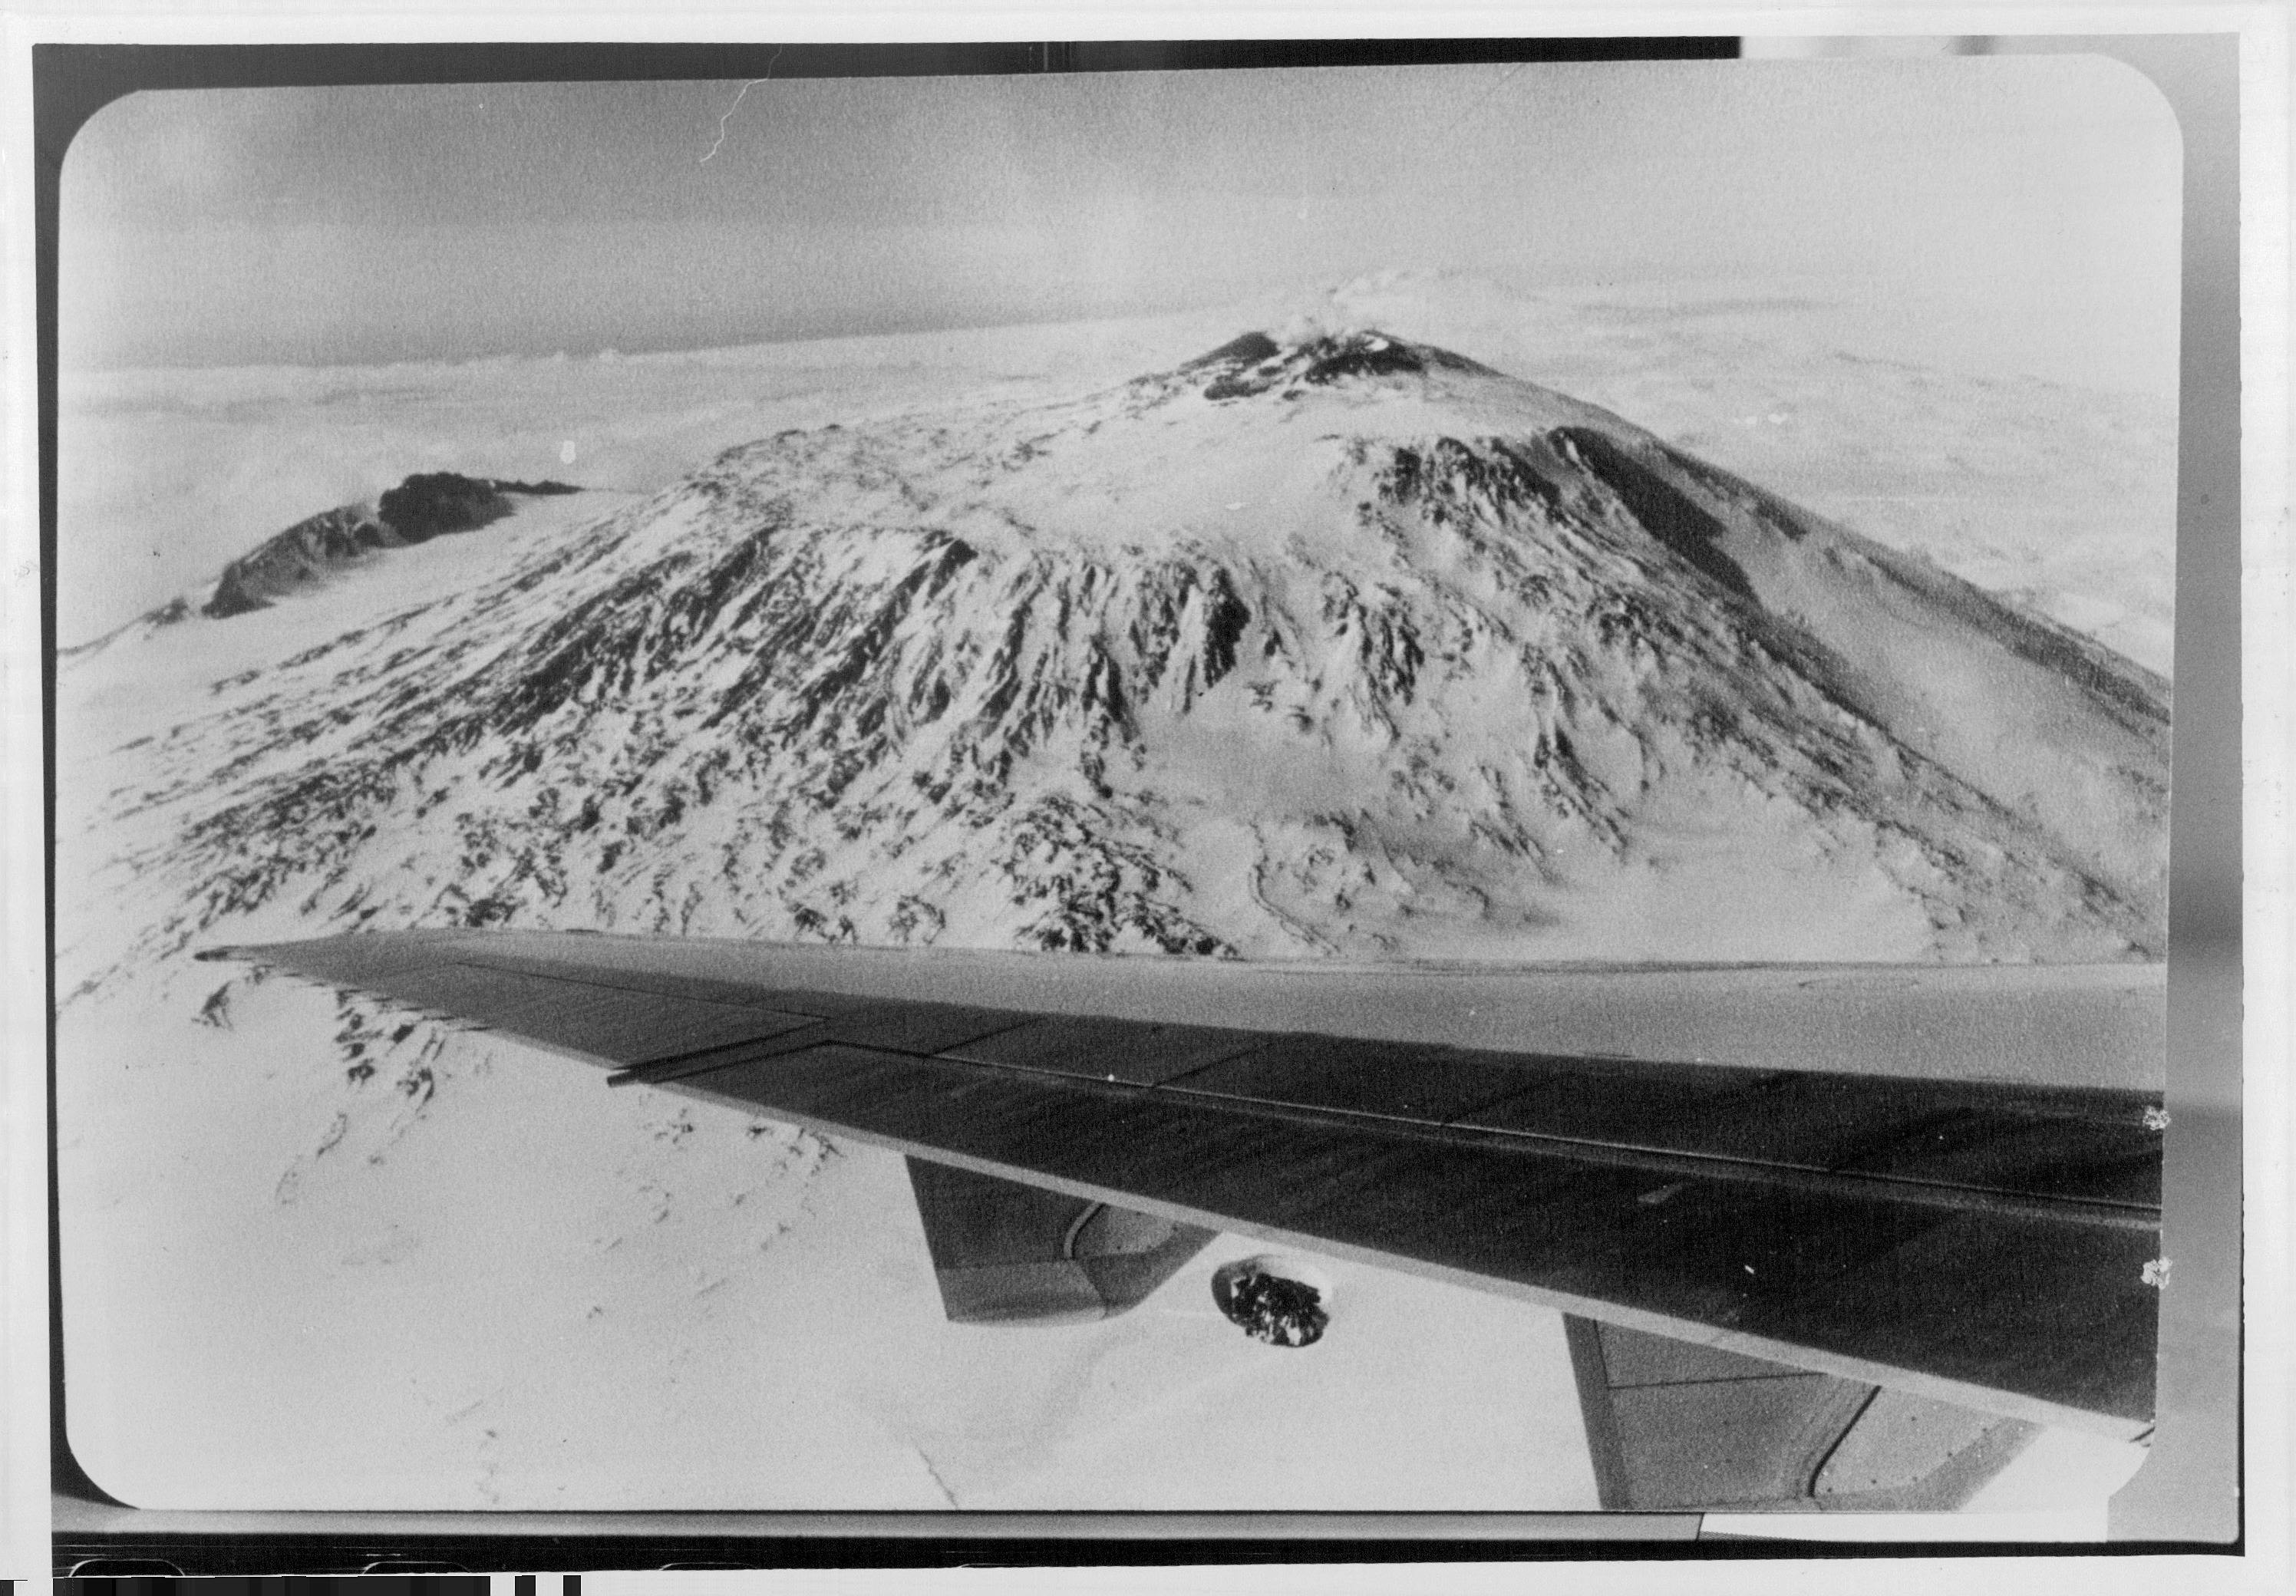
[(2036, 195)]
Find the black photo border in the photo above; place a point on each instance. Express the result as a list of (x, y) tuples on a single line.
[(2186, 1499)]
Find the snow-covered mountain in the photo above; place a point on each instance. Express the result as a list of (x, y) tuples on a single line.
[(1346, 645)]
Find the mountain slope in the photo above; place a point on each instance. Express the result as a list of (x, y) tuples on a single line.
[(1345, 645)]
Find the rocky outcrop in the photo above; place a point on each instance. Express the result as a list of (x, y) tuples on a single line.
[(423, 507)]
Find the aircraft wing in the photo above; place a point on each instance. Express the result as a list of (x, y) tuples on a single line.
[(1979, 1242)]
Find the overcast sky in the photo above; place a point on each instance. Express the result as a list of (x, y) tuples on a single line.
[(366, 224)]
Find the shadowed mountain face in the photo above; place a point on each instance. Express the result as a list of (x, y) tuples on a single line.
[(1350, 645)]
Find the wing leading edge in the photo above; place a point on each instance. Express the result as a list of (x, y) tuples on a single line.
[(1980, 1243)]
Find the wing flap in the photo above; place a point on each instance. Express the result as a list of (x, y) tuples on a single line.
[(1136, 1052), (610, 1023), (1006, 1253), (1392, 1079), (1670, 1426), (2071, 1143)]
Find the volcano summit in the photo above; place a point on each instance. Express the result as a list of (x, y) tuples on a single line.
[(1343, 645)]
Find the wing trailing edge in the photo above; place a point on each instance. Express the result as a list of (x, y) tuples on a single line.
[(1980, 1243)]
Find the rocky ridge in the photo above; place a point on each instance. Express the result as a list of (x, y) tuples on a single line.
[(426, 506)]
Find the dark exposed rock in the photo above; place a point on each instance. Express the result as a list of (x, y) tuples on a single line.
[(426, 506), (1249, 349), (432, 502), (1255, 363), (298, 557)]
